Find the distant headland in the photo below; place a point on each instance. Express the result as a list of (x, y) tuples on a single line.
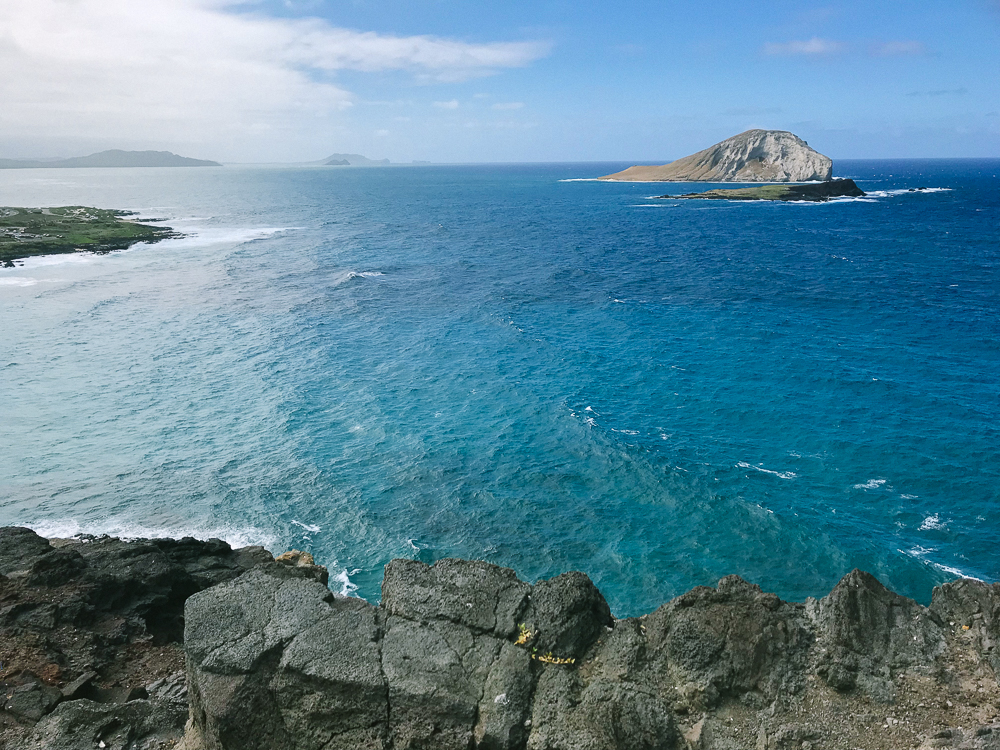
[(25, 232), (112, 158), (753, 156)]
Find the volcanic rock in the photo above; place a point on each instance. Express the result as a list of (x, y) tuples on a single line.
[(753, 156)]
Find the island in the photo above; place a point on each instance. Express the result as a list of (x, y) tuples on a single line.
[(753, 156), (112, 158), (353, 160), (816, 192), (26, 232)]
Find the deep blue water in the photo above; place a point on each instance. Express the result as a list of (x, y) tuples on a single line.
[(491, 362)]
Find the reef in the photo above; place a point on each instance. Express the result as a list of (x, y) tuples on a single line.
[(26, 232), (815, 192), (156, 644)]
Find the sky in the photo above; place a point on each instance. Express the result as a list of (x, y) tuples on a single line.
[(645, 81)]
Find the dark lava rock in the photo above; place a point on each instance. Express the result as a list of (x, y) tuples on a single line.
[(566, 615), (480, 596), (869, 633), (83, 724), (731, 641), (973, 606), (72, 610), (276, 661)]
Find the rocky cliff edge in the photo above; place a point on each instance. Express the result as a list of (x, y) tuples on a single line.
[(465, 655)]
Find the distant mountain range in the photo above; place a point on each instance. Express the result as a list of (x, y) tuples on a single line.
[(353, 160), (112, 158)]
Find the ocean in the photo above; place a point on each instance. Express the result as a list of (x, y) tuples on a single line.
[(517, 364)]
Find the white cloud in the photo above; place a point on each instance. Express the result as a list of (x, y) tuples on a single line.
[(508, 105), (814, 47), (189, 72), (452, 104)]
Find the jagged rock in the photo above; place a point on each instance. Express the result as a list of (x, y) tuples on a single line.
[(298, 559), (973, 606), (505, 709), (480, 596), (569, 714), (31, 699), (869, 633), (566, 615), (96, 618), (752, 156), (731, 641), (276, 661), (171, 689), (20, 548), (83, 724)]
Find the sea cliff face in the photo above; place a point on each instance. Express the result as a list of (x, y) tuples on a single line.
[(463, 655), (753, 156)]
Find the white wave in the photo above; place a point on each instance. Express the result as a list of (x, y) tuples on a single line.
[(871, 484), (22, 281), (308, 527), (234, 536), (781, 474), (920, 553), (587, 179), (343, 578), (933, 522), (955, 571), (625, 432)]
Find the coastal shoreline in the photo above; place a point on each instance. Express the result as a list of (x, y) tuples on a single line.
[(33, 232)]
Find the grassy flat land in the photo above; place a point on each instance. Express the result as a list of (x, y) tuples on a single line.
[(813, 191), (25, 232)]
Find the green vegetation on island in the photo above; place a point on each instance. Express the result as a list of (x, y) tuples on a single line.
[(818, 192), (25, 232)]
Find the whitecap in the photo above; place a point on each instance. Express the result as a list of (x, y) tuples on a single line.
[(308, 527), (871, 484), (933, 522), (781, 474)]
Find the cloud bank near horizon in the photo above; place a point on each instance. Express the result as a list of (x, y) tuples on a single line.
[(202, 72)]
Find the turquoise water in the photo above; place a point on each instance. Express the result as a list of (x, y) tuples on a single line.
[(493, 362)]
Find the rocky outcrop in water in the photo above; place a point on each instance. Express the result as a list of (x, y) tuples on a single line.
[(753, 156), (465, 655), (817, 192)]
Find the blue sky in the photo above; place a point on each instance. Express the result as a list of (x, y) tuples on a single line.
[(445, 80)]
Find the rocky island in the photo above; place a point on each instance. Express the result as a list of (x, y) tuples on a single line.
[(753, 156), (25, 232), (157, 644), (813, 192)]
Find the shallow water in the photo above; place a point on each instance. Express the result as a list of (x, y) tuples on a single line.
[(490, 362)]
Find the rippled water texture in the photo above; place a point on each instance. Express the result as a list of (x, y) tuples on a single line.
[(490, 362)]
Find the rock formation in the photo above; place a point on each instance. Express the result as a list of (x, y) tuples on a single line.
[(465, 655), (753, 156), (817, 192)]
